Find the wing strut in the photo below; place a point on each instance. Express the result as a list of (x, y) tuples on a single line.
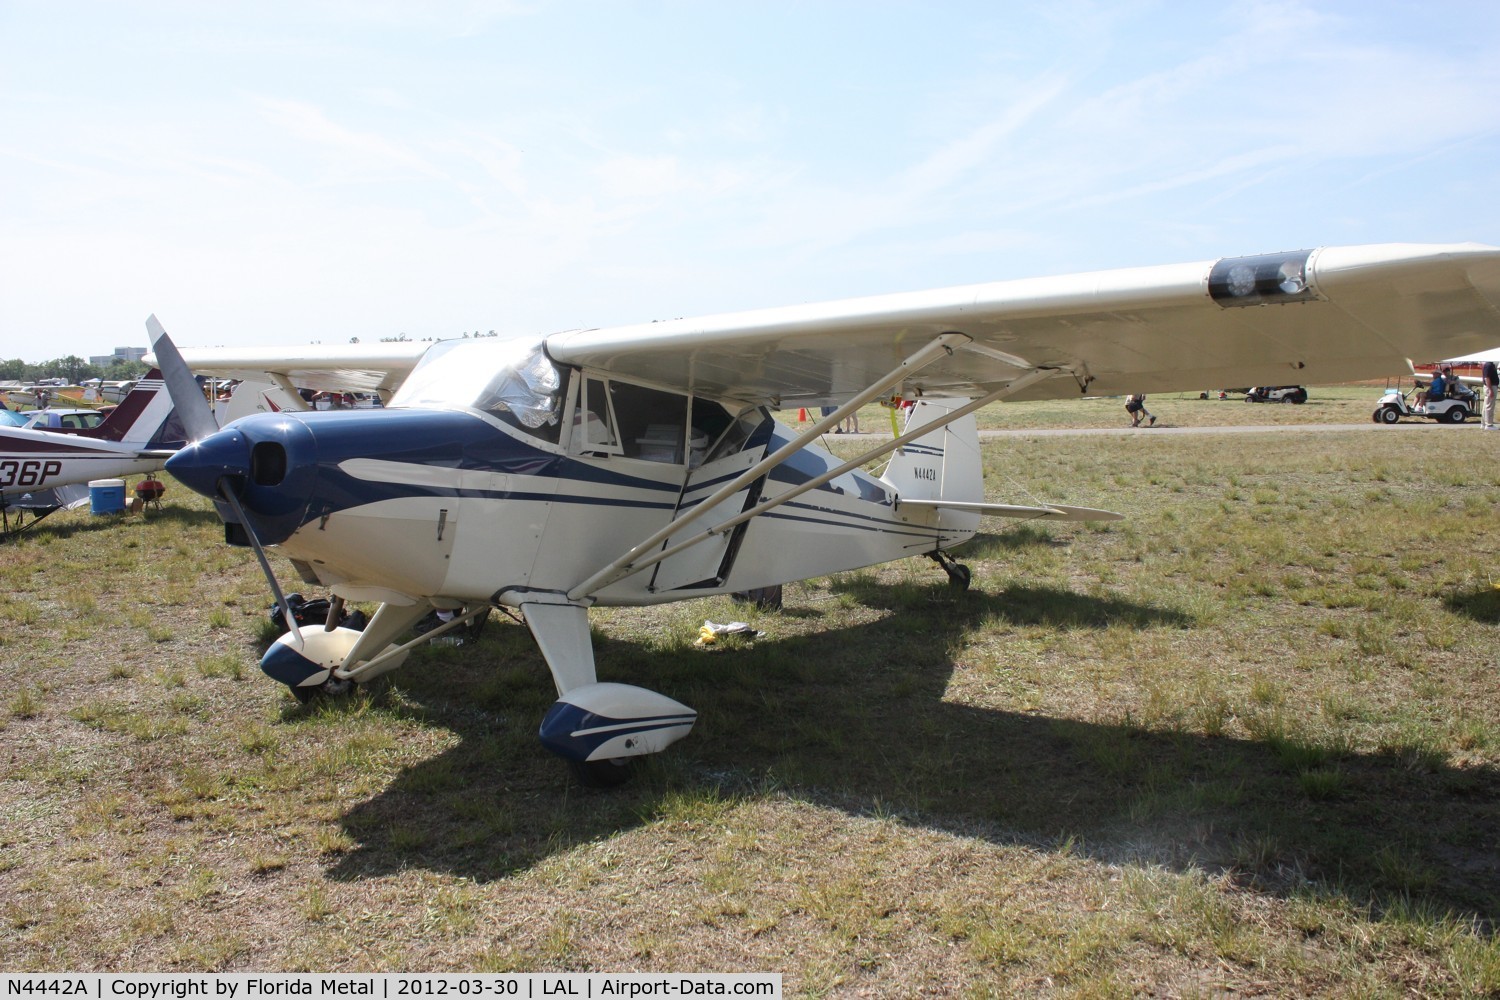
[(631, 562), (626, 564)]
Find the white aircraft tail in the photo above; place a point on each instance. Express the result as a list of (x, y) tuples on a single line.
[(942, 466), (942, 472)]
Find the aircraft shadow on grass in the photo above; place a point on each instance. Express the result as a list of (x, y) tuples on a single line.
[(1481, 604), (854, 718)]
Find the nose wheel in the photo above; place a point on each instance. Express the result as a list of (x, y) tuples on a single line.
[(958, 574), (331, 688)]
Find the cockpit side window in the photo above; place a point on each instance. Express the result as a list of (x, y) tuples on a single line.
[(611, 417), (594, 420), (652, 423), (734, 432)]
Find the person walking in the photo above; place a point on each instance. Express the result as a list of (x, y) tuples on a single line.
[(1491, 377), (1135, 405)]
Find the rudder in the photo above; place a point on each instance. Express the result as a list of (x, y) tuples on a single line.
[(942, 465)]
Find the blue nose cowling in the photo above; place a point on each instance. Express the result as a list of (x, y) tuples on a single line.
[(270, 463), (201, 465), (286, 469)]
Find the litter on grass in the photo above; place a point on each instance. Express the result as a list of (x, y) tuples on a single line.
[(711, 632)]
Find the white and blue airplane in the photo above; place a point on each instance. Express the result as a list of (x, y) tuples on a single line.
[(641, 464)]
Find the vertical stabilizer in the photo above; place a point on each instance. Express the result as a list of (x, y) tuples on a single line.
[(138, 417), (942, 465)]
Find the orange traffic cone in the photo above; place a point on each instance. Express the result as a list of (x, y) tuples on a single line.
[(802, 415)]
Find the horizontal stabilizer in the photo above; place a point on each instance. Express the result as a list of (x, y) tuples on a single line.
[(1054, 512)]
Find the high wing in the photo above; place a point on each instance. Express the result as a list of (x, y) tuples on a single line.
[(335, 368), (1329, 315)]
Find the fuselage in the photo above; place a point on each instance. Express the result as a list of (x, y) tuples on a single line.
[(36, 460), (481, 486)]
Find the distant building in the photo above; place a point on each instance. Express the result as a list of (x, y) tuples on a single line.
[(121, 354)]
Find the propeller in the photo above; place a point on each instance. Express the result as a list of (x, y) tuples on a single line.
[(265, 564), (187, 396), (199, 422)]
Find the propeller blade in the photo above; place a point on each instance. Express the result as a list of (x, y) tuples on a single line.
[(228, 494), (192, 407)]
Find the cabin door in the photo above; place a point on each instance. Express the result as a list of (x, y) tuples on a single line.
[(707, 564)]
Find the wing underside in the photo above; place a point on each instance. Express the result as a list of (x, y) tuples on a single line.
[(1329, 315), (335, 368), (1335, 314)]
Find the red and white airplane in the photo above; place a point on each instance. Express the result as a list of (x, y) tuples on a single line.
[(641, 464), (136, 438)]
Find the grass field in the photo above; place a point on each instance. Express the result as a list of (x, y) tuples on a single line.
[(1342, 404), (1244, 741)]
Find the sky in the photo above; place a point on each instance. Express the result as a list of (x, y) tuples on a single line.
[(322, 170)]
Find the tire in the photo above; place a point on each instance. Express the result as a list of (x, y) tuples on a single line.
[(1457, 415), (601, 773), (1388, 415), (328, 689)]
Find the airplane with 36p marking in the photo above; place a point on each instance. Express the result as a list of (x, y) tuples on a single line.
[(136, 438), (641, 464)]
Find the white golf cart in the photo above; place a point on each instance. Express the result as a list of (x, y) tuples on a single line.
[(1454, 408), (1276, 394)]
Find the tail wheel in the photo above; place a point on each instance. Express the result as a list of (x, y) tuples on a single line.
[(958, 574)]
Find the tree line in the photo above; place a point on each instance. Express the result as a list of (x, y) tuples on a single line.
[(71, 369), (74, 369)]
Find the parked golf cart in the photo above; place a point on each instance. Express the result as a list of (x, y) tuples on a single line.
[(1454, 408), (1276, 394)]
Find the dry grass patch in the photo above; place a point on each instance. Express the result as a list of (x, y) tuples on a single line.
[(1244, 741)]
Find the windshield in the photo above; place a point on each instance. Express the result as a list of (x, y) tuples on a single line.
[(511, 379)]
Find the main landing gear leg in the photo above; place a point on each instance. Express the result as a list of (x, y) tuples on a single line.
[(958, 574), (597, 728), (561, 632)]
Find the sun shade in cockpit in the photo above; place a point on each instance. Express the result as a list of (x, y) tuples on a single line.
[(502, 377)]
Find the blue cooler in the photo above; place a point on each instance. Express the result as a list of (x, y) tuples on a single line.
[(106, 496)]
